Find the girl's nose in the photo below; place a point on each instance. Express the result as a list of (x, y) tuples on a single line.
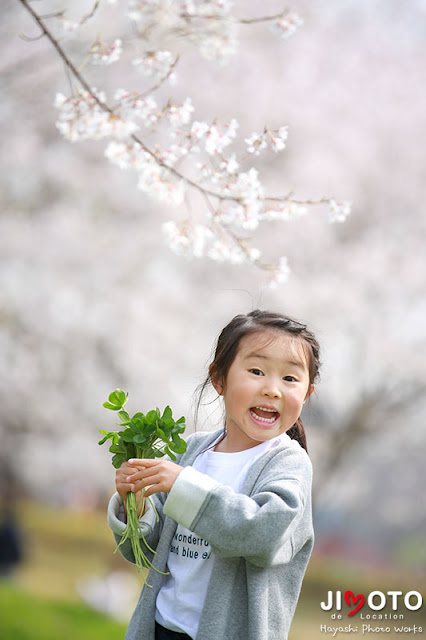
[(271, 389)]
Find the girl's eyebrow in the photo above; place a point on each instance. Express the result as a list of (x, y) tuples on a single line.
[(255, 355), (293, 363)]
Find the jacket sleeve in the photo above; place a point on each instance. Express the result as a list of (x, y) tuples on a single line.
[(266, 528), (150, 526)]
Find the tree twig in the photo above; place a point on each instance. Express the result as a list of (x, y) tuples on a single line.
[(277, 16), (31, 38), (90, 14), (162, 79), (46, 32)]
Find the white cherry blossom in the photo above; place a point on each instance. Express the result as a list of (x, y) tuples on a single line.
[(199, 129), (179, 115), (259, 141), (225, 251), (154, 63), (132, 105), (284, 211), (156, 181), (81, 117), (128, 155), (187, 240), (216, 137), (278, 138), (338, 211), (105, 53), (219, 40), (279, 274), (229, 166), (255, 143), (287, 24)]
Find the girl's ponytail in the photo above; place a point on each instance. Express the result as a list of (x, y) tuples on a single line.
[(297, 432)]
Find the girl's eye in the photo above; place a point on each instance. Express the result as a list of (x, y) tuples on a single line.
[(256, 372), (290, 379)]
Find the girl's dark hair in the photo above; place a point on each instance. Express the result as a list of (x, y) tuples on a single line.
[(255, 322)]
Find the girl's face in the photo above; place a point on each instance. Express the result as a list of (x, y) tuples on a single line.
[(265, 389)]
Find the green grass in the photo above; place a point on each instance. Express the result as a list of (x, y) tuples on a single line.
[(64, 547), (25, 616)]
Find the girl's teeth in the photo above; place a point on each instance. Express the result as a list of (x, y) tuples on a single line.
[(270, 420)]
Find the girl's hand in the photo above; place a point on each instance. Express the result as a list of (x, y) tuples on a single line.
[(156, 474), (122, 480), (123, 486)]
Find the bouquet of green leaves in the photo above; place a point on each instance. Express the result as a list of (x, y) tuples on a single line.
[(143, 436)]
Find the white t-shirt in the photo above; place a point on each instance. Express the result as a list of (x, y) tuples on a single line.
[(190, 562)]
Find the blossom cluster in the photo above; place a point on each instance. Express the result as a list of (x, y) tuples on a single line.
[(157, 64), (195, 241), (105, 53), (153, 178), (259, 141), (338, 211), (287, 24), (185, 153), (215, 138), (83, 117), (280, 273), (283, 211), (207, 8), (208, 24), (131, 105), (218, 39)]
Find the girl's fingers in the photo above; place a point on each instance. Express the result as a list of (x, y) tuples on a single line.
[(124, 479), (143, 483), (124, 472), (151, 490), (126, 469), (141, 475), (142, 470), (152, 475), (145, 463), (157, 475)]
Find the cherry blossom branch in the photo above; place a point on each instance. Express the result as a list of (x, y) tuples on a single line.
[(103, 105), (215, 16), (56, 14), (239, 195), (31, 38), (91, 13), (46, 32), (276, 16), (162, 78)]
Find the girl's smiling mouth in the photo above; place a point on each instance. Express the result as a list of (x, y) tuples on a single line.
[(264, 415)]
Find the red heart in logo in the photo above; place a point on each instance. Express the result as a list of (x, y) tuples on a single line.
[(359, 598)]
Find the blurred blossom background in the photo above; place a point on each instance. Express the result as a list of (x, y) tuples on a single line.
[(92, 298)]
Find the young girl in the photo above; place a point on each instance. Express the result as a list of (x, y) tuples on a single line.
[(235, 527)]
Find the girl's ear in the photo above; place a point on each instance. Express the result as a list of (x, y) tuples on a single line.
[(309, 392), (217, 385)]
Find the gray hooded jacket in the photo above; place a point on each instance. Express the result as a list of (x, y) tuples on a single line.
[(262, 539)]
